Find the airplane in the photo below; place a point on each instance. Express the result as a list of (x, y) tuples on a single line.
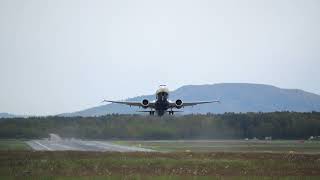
[(162, 104)]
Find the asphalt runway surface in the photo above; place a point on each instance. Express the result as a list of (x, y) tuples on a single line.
[(81, 145)]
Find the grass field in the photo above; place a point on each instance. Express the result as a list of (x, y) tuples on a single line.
[(13, 144), (276, 146), (205, 159), (178, 165)]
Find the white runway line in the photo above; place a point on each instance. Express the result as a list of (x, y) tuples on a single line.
[(63, 146), (122, 148), (46, 147), (82, 145)]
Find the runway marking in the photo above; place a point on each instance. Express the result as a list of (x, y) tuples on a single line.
[(122, 148), (43, 145), (64, 146), (85, 145), (80, 145)]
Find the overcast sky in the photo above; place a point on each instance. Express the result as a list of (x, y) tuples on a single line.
[(66, 55)]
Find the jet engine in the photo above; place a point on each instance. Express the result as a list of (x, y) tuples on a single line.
[(179, 103), (145, 103)]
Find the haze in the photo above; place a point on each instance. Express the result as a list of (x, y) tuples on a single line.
[(61, 56)]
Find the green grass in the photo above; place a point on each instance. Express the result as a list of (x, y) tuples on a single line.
[(239, 160), (142, 165), (139, 177), (13, 144)]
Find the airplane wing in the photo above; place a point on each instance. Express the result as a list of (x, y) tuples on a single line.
[(173, 104), (199, 102), (130, 103)]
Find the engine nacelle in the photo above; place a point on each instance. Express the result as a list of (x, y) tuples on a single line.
[(179, 103), (145, 103)]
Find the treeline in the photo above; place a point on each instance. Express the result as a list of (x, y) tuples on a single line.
[(279, 125)]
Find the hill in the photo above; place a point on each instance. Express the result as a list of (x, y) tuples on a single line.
[(235, 97), (6, 115)]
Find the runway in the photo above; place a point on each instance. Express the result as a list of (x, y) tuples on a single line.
[(81, 145)]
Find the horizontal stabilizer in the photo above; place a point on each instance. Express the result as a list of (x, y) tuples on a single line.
[(174, 111), (145, 111)]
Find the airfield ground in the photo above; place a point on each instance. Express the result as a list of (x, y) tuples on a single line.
[(81, 145), (274, 146), (13, 144), (177, 160), (141, 165)]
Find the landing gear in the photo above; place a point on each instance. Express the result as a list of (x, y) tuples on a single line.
[(171, 112), (151, 113)]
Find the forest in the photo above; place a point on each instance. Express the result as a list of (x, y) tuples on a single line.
[(278, 125)]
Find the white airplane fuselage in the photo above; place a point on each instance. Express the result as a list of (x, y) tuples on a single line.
[(162, 103)]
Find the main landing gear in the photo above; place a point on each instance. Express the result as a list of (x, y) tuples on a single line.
[(171, 112), (151, 113)]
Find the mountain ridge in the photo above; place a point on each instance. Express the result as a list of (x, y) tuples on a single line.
[(6, 115), (235, 97)]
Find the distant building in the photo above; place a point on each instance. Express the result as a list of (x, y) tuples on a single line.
[(314, 138), (268, 138)]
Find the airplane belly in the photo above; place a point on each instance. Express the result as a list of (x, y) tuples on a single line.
[(161, 112), (161, 105)]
